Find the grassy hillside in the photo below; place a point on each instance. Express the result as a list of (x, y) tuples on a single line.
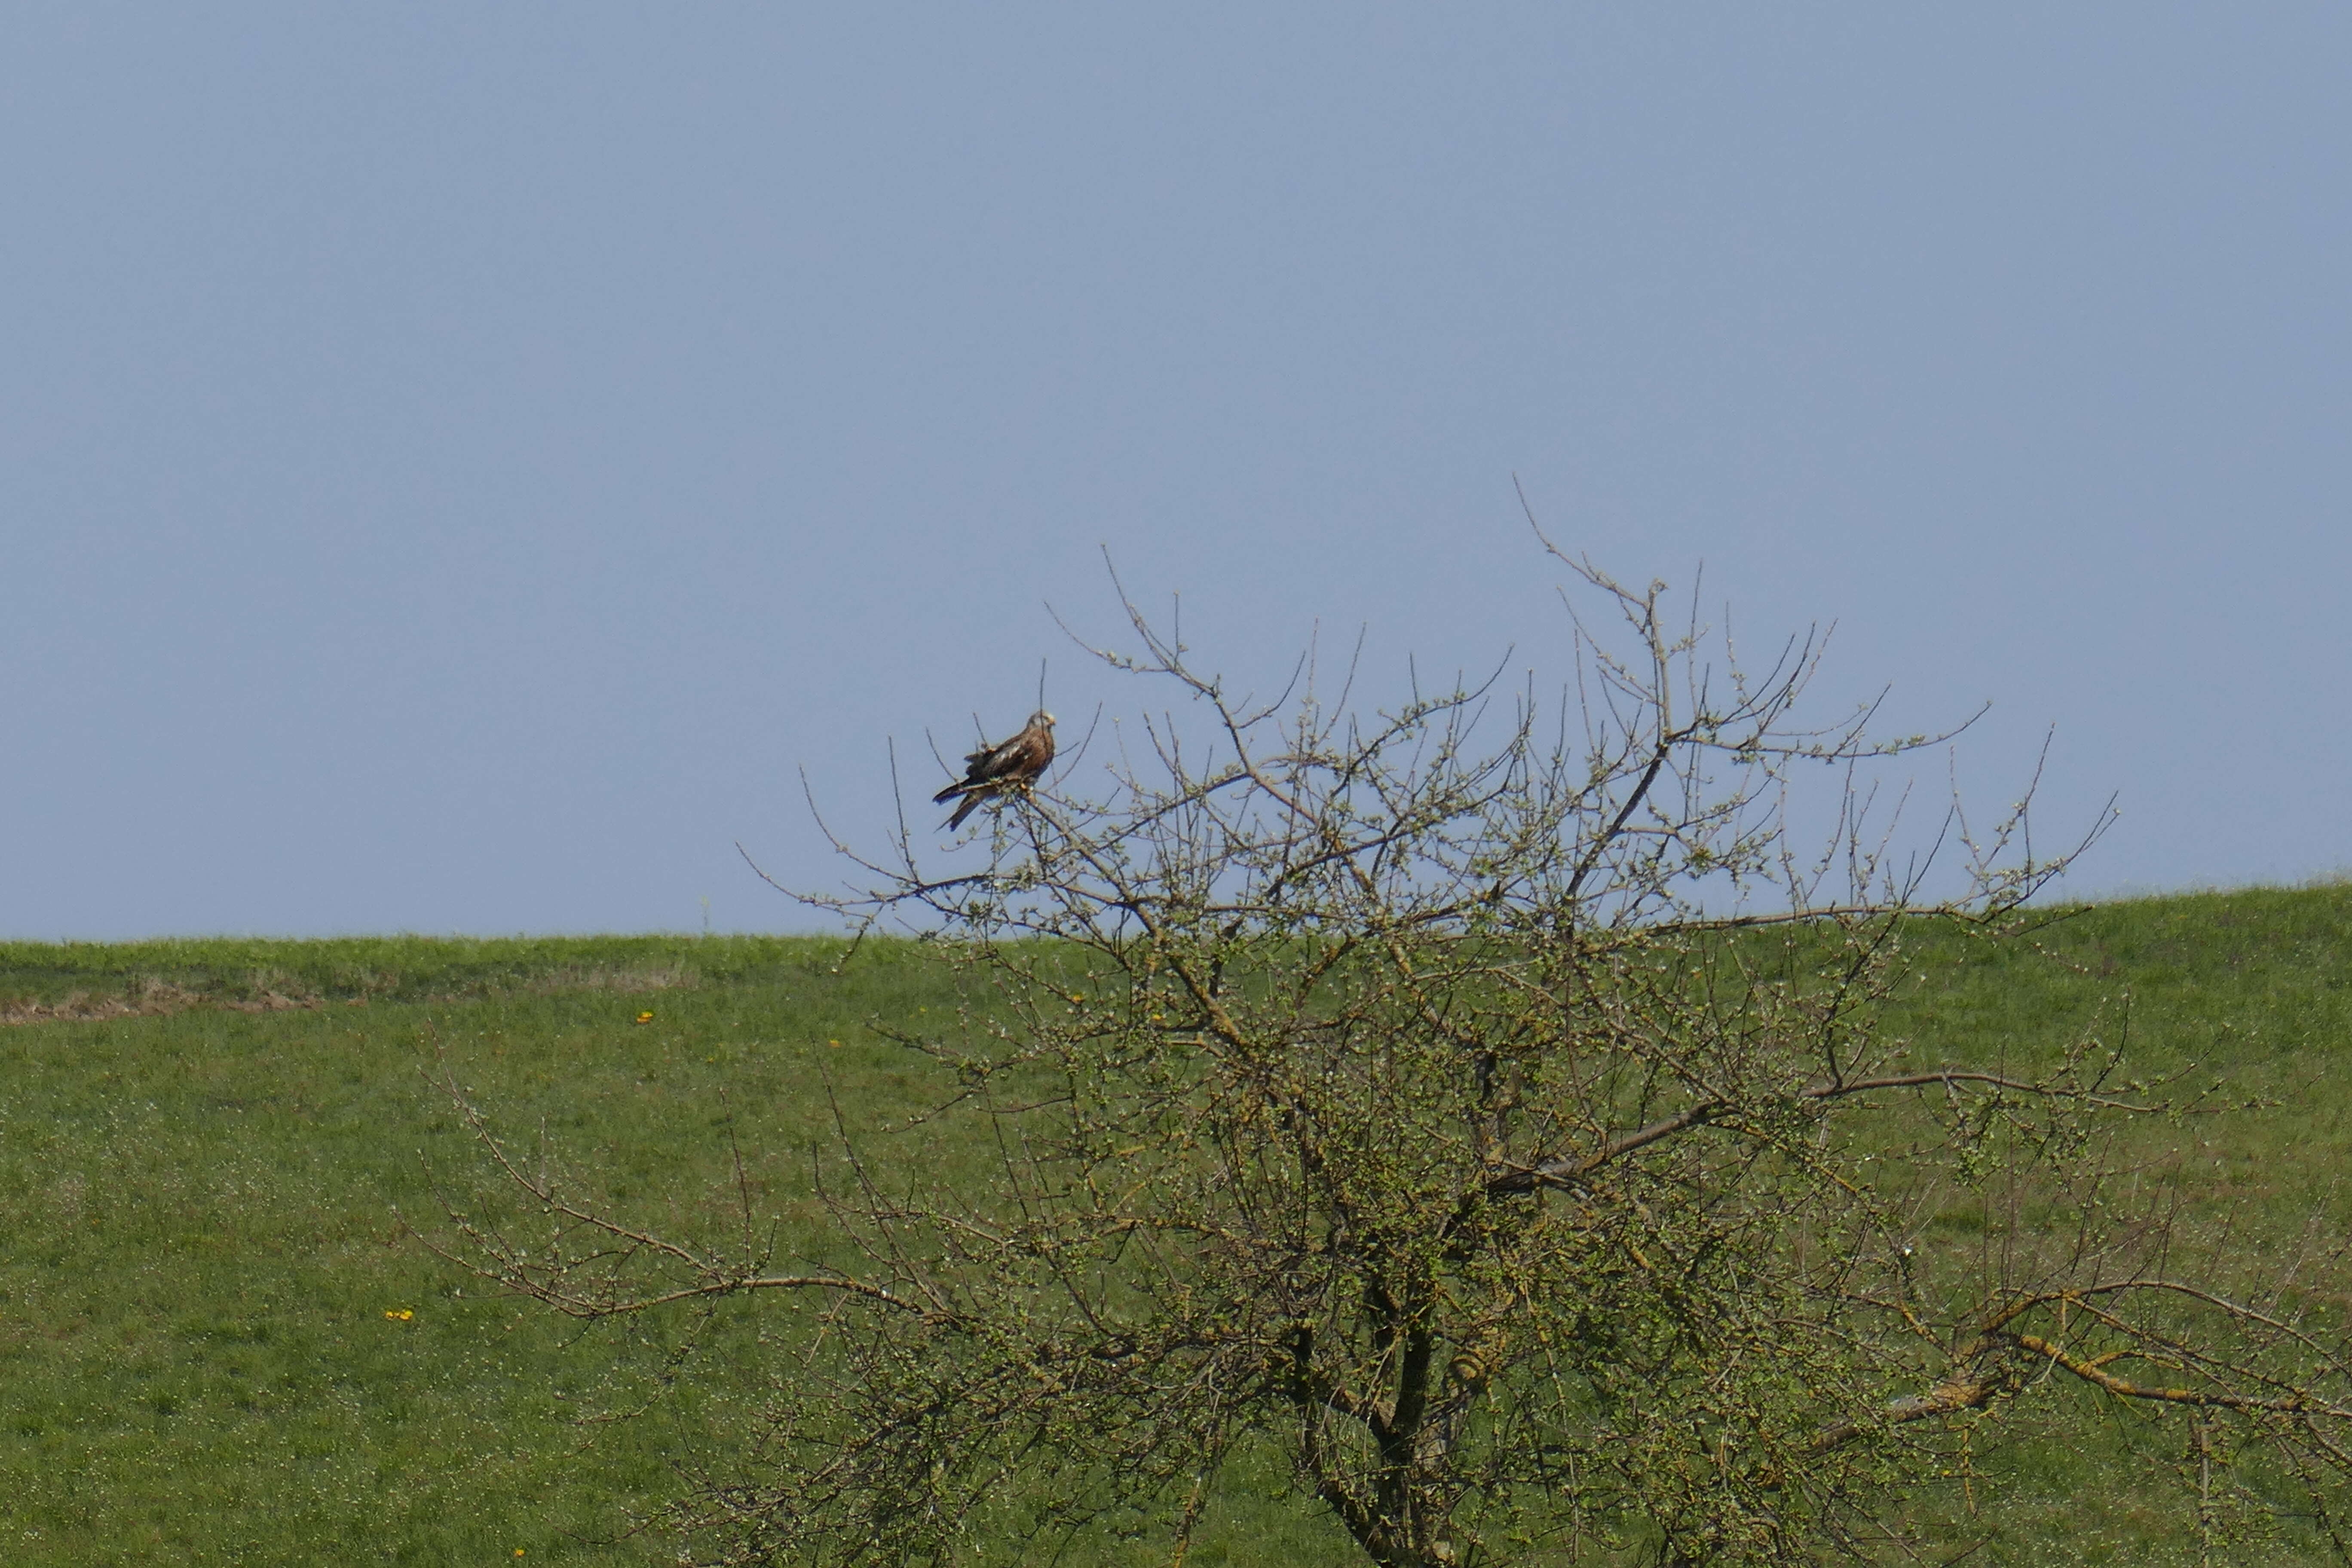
[(218, 1344)]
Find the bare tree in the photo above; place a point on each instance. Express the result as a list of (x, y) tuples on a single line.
[(1484, 1102)]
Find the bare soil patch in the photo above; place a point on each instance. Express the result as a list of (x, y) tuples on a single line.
[(151, 998), (154, 996)]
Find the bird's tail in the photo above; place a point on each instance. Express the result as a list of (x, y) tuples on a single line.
[(947, 793), (963, 809)]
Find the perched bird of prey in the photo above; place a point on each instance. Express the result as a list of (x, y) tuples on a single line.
[(1009, 765)]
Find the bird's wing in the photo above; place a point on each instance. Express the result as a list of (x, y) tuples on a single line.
[(999, 761), (981, 768)]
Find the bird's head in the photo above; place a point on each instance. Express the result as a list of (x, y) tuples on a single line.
[(1041, 717)]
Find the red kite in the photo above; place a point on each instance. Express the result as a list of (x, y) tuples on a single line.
[(1009, 765)]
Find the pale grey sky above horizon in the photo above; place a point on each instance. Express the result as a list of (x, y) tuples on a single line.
[(460, 462)]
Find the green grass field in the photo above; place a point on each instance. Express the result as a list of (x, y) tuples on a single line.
[(219, 1344)]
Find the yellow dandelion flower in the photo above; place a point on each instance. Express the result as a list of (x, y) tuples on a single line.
[(400, 1315), (645, 1017), (834, 1043)]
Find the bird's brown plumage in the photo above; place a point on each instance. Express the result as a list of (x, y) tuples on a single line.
[(1009, 765)]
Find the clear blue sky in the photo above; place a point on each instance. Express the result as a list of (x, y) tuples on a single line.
[(460, 461)]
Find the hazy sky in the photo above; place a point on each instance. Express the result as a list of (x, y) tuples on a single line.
[(460, 462)]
